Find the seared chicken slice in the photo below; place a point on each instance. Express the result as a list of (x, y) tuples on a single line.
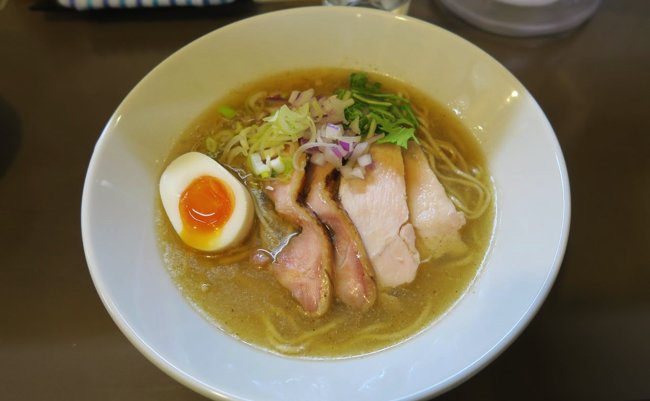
[(436, 220), (304, 265), (353, 275), (377, 207)]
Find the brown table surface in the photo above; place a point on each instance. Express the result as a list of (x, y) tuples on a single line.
[(62, 73)]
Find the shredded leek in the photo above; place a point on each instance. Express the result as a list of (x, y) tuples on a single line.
[(267, 146), (291, 123)]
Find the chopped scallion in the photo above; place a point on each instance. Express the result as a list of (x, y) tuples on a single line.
[(227, 111)]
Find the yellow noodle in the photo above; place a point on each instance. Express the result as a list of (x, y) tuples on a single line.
[(371, 328), (239, 254), (453, 154), (319, 331), (301, 340), (288, 319), (461, 261), (459, 175), (276, 340), (252, 101), (232, 142), (289, 349), (367, 338), (233, 154)]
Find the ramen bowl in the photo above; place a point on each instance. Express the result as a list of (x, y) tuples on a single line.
[(523, 156)]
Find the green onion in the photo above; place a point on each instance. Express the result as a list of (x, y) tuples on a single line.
[(372, 128), (210, 144), (226, 111), (370, 101)]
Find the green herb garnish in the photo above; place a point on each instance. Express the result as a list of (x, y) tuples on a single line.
[(378, 112)]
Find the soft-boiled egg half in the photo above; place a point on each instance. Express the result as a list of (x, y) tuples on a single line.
[(207, 206)]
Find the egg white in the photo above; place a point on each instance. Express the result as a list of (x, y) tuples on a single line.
[(180, 173)]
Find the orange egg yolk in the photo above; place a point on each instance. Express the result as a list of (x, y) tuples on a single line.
[(205, 207)]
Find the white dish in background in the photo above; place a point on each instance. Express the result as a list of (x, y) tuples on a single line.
[(525, 160)]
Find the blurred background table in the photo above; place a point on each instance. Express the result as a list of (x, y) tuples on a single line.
[(62, 73)]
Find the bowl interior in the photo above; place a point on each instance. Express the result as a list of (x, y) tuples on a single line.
[(523, 156)]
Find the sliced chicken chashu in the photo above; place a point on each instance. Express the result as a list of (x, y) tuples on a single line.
[(353, 275), (377, 207), (304, 265), (433, 215)]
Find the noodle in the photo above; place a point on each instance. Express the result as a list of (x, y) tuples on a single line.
[(395, 336), (466, 179), (252, 102), (276, 340), (300, 342), (280, 313), (460, 261), (239, 254)]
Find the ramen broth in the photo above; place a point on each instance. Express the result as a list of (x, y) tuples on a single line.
[(248, 302)]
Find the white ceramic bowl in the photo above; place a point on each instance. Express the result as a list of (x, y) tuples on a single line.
[(532, 193)]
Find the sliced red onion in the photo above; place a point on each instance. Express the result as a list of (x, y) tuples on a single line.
[(293, 96), (333, 107), (347, 146), (331, 157), (304, 97), (333, 131), (302, 149), (318, 159), (364, 160), (348, 172), (358, 151), (357, 172), (339, 152)]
